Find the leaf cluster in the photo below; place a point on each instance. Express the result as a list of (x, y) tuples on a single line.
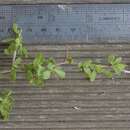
[(16, 49), (14, 68), (16, 42), (116, 64), (91, 69), (6, 103), (41, 70)]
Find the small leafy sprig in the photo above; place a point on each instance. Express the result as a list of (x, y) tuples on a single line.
[(16, 43), (41, 70), (116, 64), (16, 49), (6, 104), (91, 69)]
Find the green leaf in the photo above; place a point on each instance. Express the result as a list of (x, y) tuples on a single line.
[(117, 66), (69, 59), (6, 52), (14, 68), (15, 43), (29, 75), (50, 60), (13, 74), (1, 99), (121, 67), (15, 28), (111, 59), (80, 65), (60, 72), (25, 52), (87, 63), (6, 103), (107, 73), (38, 82), (39, 70), (46, 75), (99, 68), (90, 69), (118, 60), (17, 62), (51, 66), (39, 59), (92, 76), (87, 70)]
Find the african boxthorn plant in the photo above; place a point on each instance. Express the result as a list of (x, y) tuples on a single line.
[(41, 68)]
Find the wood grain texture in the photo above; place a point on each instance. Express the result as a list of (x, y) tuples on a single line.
[(60, 1), (73, 103)]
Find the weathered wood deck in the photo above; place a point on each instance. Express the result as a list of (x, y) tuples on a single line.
[(73, 103)]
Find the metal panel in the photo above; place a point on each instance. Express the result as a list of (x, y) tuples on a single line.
[(84, 23)]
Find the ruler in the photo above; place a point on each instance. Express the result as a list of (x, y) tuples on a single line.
[(68, 23)]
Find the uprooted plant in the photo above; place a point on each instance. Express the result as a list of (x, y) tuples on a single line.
[(42, 69)]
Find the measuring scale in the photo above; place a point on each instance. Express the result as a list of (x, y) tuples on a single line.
[(74, 23)]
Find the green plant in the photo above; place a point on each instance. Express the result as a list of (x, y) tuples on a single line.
[(91, 69), (116, 64), (16, 49), (16, 43), (41, 68), (6, 104)]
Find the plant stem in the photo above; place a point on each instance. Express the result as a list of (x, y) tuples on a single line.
[(8, 71), (5, 72), (13, 60), (14, 56), (126, 71), (64, 63)]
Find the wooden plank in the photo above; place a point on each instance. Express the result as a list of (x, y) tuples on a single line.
[(105, 128), (74, 103), (80, 125), (74, 47)]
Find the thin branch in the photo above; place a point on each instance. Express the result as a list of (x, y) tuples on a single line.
[(8, 71), (66, 56), (65, 63), (126, 71), (5, 71), (62, 63)]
